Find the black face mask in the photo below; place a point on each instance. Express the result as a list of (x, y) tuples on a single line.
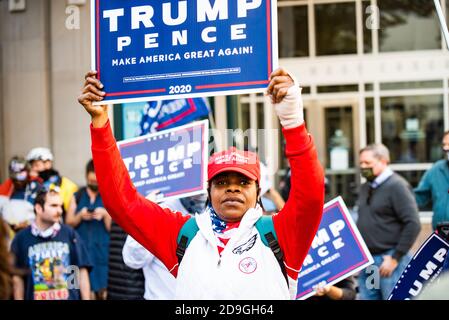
[(446, 153), (47, 174), (368, 174), (93, 187)]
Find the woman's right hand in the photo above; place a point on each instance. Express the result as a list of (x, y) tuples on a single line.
[(92, 92)]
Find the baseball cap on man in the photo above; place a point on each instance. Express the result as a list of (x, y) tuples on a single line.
[(39, 153), (244, 162)]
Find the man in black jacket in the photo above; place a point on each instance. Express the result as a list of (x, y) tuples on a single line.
[(388, 221)]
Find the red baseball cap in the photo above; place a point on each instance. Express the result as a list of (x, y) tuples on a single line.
[(244, 162)]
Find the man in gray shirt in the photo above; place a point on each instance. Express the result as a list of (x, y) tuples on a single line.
[(388, 221)]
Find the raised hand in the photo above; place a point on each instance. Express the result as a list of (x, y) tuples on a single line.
[(286, 97), (92, 92), (280, 82)]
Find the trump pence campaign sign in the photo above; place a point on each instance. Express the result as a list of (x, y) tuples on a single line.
[(155, 50)]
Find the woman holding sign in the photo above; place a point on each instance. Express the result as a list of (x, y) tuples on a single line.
[(224, 252)]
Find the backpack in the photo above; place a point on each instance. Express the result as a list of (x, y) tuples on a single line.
[(264, 226)]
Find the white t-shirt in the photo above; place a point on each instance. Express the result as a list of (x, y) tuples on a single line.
[(15, 211), (159, 282)]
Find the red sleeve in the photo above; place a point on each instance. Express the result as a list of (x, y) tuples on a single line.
[(297, 223), (153, 227), (6, 188)]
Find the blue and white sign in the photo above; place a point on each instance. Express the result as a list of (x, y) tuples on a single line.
[(172, 161), (424, 268), (337, 251), (166, 114), (158, 50)]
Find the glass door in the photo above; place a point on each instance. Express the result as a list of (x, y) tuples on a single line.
[(334, 125)]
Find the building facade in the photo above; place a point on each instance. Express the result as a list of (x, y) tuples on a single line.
[(371, 71), (44, 53)]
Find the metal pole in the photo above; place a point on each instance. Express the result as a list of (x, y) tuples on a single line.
[(442, 21)]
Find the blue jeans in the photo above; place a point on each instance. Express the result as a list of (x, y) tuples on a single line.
[(374, 287)]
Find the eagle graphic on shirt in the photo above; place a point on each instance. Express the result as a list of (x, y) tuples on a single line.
[(246, 246)]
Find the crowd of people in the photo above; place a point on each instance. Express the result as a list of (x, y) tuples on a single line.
[(50, 226), (58, 241)]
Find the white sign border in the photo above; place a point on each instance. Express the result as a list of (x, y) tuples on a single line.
[(274, 62), (415, 256)]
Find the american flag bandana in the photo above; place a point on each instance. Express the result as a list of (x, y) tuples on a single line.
[(223, 230)]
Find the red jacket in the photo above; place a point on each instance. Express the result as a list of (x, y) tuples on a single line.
[(157, 228), (7, 188)]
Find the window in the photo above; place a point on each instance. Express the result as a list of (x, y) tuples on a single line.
[(261, 133), (447, 10), (241, 135), (412, 127), (367, 15), (339, 137), (411, 85), (369, 114), (335, 27), (293, 31), (305, 90), (249, 123), (408, 25), (344, 185), (338, 88), (414, 177)]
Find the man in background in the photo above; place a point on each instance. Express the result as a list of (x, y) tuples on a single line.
[(388, 221), (434, 186)]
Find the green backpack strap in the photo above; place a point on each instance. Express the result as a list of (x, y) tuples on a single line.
[(186, 234), (265, 227)]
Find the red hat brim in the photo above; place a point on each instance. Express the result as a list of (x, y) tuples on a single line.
[(233, 169)]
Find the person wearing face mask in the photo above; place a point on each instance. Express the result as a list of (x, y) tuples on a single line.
[(388, 221), (93, 223), (434, 186), (17, 195), (40, 161), (21, 184)]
